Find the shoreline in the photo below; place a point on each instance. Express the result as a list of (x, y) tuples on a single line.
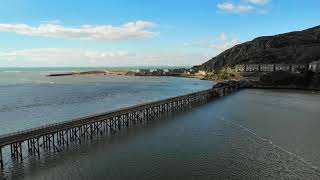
[(122, 72), (248, 84), (97, 72)]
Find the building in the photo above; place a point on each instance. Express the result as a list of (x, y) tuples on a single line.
[(314, 66), (178, 71), (267, 67), (240, 68), (283, 67), (160, 72), (252, 68), (296, 68), (203, 73), (144, 71)]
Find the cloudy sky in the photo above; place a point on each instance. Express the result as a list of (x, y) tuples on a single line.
[(139, 32)]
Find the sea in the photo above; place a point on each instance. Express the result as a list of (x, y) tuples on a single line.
[(251, 134)]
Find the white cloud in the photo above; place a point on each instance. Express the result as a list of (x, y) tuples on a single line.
[(59, 56), (222, 37), (220, 43), (81, 57), (231, 8), (131, 30), (258, 2), (223, 42)]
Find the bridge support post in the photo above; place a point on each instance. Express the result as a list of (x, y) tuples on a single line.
[(112, 125), (106, 126), (1, 158), (126, 120), (34, 146), (62, 138), (16, 150)]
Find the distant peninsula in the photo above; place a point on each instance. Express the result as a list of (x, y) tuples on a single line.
[(97, 72)]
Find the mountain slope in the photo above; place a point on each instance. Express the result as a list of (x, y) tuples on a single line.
[(298, 47)]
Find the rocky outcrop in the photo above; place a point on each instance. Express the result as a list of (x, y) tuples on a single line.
[(298, 47)]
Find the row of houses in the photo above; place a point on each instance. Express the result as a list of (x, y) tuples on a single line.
[(150, 72), (162, 72), (314, 66)]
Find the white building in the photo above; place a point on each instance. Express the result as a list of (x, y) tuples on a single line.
[(314, 66), (203, 73), (283, 67), (267, 67), (144, 71), (252, 68)]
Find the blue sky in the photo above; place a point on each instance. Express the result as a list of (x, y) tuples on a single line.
[(139, 32)]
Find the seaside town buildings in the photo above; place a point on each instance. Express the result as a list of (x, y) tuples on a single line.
[(143, 71), (283, 67), (251, 68), (248, 68), (178, 71), (202, 73), (267, 67), (159, 71), (162, 72), (314, 66)]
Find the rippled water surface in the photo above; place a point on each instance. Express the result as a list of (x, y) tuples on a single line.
[(252, 134)]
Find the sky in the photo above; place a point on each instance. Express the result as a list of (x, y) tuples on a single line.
[(115, 33)]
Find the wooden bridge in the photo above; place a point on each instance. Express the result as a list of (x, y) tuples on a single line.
[(55, 137)]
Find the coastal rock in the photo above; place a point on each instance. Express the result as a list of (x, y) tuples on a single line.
[(300, 47)]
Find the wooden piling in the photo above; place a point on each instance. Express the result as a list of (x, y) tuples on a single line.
[(1, 159)]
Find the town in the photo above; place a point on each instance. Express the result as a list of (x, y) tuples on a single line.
[(295, 68), (166, 72), (241, 68)]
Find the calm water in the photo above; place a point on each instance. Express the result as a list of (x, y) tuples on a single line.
[(28, 98), (253, 134)]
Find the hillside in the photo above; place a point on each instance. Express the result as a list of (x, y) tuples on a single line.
[(298, 47)]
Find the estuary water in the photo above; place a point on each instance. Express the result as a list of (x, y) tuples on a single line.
[(30, 99), (252, 134)]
